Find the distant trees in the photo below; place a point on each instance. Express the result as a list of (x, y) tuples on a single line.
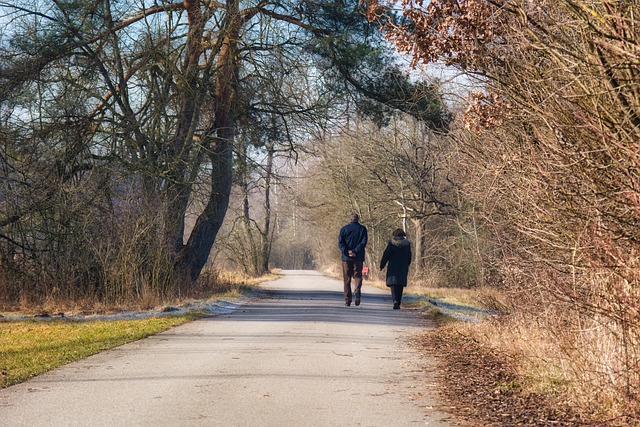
[(279, 112), (400, 175), (290, 103)]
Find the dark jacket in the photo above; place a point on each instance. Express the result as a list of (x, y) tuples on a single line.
[(353, 236), (398, 255)]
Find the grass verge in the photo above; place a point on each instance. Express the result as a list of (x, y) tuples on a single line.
[(29, 348), (32, 347)]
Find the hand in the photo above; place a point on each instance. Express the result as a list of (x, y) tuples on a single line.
[(351, 254)]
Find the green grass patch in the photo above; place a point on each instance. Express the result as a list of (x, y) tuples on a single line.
[(29, 348)]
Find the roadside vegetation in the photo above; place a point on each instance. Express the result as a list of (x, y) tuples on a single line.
[(35, 345), (532, 191), (213, 284), (29, 348)]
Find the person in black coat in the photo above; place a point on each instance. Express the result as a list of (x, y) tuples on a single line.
[(352, 241), (398, 255)]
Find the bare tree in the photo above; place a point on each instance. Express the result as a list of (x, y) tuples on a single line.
[(553, 147), (395, 176)]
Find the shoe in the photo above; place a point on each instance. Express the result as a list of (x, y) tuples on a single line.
[(357, 301), (396, 306), (347, 303)]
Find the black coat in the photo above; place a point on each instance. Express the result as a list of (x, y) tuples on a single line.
[(353, 236), (398, 255)]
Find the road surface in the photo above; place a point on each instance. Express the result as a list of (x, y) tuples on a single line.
[(296, 358)]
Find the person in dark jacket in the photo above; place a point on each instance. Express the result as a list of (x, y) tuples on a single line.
[(398, 255), (352, 240)]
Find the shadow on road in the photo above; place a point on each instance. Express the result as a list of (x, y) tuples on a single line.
[(323, 306)]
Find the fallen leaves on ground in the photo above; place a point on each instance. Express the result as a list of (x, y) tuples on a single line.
[(479, 387)]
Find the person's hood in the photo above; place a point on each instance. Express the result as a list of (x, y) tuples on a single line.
[(400, 242)]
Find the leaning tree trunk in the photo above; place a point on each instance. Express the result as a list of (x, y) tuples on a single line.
[(220, 140)]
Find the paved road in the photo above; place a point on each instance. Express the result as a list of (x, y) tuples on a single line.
[(298, 358)]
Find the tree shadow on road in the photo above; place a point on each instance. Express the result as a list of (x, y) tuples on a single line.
[(324, 306)]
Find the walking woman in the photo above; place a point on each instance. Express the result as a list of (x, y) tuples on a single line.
[(398, 255)]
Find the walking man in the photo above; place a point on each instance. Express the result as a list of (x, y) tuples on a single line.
[(352, 240)]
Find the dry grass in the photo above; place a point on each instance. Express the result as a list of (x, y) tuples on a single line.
[(481, 385), (574, 368), (481, 297), (211, 284), (231, 280)]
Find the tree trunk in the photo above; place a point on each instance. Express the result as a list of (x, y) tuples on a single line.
[(209, 222), (419, 246), (178, 189), (220, 139), (250, 255), (266, 231)]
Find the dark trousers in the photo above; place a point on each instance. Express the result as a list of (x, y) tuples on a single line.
[(352, 269), (396, 293)]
